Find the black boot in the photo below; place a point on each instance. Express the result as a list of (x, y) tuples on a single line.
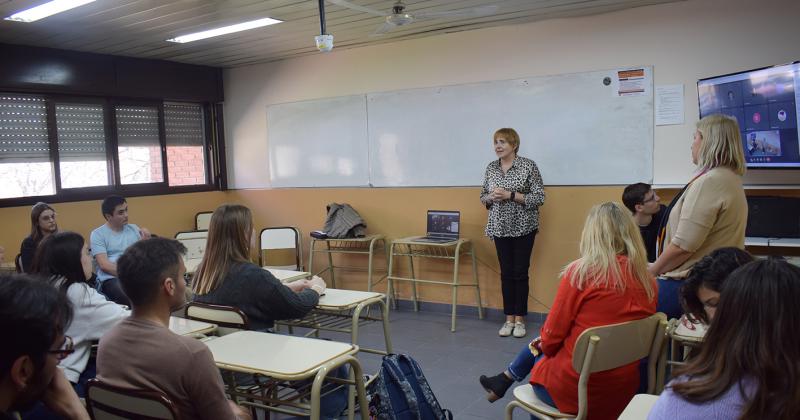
[(496, 385)]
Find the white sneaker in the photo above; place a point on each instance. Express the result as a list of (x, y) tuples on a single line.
[(506, 329), (519, 330)]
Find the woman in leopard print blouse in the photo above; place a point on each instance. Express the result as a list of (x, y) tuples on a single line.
[(512, 192)]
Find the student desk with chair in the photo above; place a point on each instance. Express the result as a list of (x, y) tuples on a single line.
[(189, 327), (343, 311), (290, 359)]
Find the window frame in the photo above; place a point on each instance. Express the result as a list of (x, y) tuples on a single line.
[(213, 153)]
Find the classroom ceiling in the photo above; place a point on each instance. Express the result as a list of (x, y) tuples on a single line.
[(139, 28)]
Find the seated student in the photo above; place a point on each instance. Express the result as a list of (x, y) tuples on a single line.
[(140, 352), (33, 316), (109, 241), (226, 276), (749, 364), (700, 291), (43, 223), (63, 259), (607, 285), (643, 203)]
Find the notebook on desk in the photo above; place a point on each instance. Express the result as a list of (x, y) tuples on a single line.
[(443, 226)]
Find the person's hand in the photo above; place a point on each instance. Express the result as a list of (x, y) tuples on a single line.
[(62, 399), (298, 286), (317, 284), (240, 412), (144, 233), (536, 346), (651, 269), (500, 194)]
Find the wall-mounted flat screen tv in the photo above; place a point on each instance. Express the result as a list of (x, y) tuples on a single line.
[(766, 104)]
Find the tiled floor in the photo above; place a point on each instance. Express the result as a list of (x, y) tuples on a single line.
[(452, 362)]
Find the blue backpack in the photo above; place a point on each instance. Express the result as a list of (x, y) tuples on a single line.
[(401, 392)]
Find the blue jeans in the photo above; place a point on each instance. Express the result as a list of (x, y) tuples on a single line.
[(544, 396), (668, 301), (521, 366)]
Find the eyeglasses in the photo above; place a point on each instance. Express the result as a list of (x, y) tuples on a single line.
[(48, 218), (67, 348), (652, 198)]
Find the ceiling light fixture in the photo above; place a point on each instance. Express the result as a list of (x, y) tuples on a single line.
[(224, 30), (48, 9)]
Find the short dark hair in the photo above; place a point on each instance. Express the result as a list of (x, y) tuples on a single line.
[(710, 272), (59, 255), (32, 315), (110, 203), (145, 264), (634, 194)]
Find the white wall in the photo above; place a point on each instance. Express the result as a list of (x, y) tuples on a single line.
[(685, 41)]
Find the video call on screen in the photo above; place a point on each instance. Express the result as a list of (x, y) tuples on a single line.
[(764, 103)]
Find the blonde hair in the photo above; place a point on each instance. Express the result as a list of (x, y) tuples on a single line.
[(721, 144), (511, 137), (610, 231), (228, 243)]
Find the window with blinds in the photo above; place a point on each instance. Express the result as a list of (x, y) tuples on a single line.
[(184, 128), (25, 167), (100, 145), (138, 144), (81, 134)]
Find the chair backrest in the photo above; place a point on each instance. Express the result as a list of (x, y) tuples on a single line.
[(611, 346), (195, 243), (106, 402), (282, 238), (202, 220), (228, 319), (18, 263)]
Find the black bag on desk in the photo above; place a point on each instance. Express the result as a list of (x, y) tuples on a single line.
[(401, 392), (344, 222)]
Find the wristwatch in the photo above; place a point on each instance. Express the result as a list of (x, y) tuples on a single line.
[(512, 195)]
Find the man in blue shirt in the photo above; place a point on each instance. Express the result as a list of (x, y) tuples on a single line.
[(108, 243)]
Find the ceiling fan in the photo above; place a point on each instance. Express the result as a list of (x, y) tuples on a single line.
[(399, 17)]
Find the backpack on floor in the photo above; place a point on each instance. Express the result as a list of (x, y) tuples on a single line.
[(401, 392)]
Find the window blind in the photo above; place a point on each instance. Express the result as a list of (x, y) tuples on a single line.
[(137, 126), (183, 124), (81, 132), (23, 129)]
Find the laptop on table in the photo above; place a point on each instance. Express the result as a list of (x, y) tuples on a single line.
[(443, 226)]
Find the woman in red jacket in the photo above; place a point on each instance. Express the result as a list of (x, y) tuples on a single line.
[(609, 284)]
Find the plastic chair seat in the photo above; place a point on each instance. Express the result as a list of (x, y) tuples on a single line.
[(525, 395)]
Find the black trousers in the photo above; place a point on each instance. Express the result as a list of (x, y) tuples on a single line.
[(514, 254), (112, 290)]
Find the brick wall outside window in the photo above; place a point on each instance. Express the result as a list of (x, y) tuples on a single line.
[(186, 165)]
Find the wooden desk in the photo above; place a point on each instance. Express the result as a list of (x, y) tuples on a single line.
[(289, 358), (639, 407), (683, 338), (183, 326), (343, 311), (367, 245), (452, 251)]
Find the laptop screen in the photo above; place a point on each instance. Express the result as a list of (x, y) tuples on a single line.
[(443, 224)]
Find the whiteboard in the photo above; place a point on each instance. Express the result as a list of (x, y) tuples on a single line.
[(319, 143), (578, 130)]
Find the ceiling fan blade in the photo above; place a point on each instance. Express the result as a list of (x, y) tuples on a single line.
[(347, 4), (460, 13), (383, 28)]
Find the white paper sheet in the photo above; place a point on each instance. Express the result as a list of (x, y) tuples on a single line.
[(669, 104)]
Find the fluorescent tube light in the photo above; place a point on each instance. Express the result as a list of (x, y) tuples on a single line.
[(48, 9), (224, 30)]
